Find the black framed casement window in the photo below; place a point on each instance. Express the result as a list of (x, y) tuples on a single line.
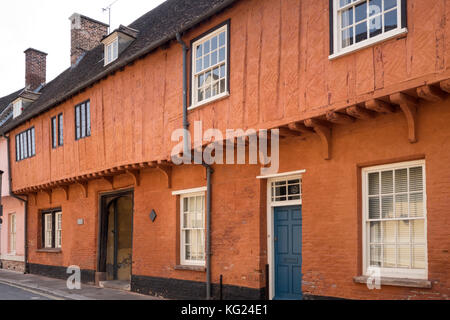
[(52, 229), (356, 24), (25, 145), (57, 131), (83, 120)]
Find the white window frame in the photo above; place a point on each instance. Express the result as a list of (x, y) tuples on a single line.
[(183, 260), (112, 51), (48, 231), (392, 272), (195, 74), (58, 230), (52, 229), (337, 35), (12, 233)]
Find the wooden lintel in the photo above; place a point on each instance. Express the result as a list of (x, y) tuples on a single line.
[(136, 174), (339, 118), (324, 132), (408, 105), (431, 93), (379, 106), (299, 127), (84, 187), (445, 85), (167, 170), (360, 113)]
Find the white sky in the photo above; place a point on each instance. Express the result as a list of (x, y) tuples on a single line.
[(45, 26)]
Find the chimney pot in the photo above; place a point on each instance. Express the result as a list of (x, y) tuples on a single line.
[(35, 68), (86, 34)]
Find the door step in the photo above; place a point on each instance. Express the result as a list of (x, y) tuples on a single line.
[(116, 284)]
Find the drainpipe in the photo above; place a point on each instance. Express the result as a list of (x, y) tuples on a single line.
[(209, 170), (25, 202), (185, 120)]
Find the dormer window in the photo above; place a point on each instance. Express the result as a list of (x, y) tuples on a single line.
[(112, 51), (117, 41), (23, 101)]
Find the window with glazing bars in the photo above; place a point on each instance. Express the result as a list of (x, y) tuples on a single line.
[(210, 66), (357, 23), (83, 120), (57, 131), (25, 145), (193, 229), (395, 217)]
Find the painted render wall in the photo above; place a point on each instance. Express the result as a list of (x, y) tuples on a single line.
[(280, 73), (10, 205), (332, 216)]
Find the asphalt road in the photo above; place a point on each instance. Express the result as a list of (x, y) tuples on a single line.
[(10, 292)]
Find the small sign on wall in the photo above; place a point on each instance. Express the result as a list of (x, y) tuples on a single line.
[(80, 222), (153, 216)]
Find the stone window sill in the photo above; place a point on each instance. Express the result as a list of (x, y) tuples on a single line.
[(49, 250), (191, 268), (397, 282)]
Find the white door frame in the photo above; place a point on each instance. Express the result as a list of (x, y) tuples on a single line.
[(270, 225)]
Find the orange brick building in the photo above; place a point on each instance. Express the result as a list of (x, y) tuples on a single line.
[(359, 93)]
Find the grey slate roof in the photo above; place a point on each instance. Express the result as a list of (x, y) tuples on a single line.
[(5, 101), (156, 28)]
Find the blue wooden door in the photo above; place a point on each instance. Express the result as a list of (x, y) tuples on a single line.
[(288, 252)]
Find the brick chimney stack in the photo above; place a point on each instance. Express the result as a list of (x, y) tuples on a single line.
[(86, 34), (35, 68)]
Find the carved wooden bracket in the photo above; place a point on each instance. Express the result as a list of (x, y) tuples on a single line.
[(409, 107), (84, 187), (66, 191), (379, 106), (360, 113), (136, 174), (49, 193), (324, 132), (285, 132), (430, 93), (445, 85), (299, 127), (110, 180), (34, 194), (339, 118), (167, 170)]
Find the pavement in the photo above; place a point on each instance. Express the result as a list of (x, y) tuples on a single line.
[(19, 286)]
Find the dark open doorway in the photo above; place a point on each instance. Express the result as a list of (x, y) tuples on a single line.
[(116, 236)]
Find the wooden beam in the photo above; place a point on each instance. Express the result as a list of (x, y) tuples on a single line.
[(360, 113), (339, 118), (408, 105), (430, 93), (324, 133), (380, 106)]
